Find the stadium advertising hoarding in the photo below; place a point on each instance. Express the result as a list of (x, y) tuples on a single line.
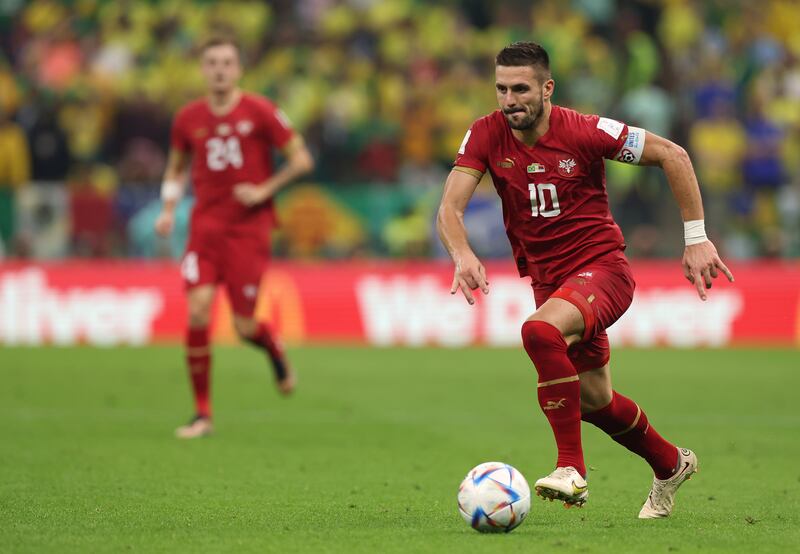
[(382, 303)]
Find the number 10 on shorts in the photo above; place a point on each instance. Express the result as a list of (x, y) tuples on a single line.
[(539, 199)]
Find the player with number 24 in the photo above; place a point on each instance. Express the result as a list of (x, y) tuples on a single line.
[(229, 138)]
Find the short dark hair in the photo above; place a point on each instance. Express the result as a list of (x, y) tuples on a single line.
[(220, 40), (524, 53)]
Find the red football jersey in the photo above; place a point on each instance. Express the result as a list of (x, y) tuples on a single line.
[(554, 198), (227, 150)]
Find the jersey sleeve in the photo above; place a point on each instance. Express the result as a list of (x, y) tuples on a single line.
[(474, 150), (277, 126), (179, 134), (613, 140)]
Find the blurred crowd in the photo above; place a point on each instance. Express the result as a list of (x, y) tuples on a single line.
[(383, 91)]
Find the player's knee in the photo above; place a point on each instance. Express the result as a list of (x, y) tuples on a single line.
[(595, 399), (198, 319), (542, 341), (199, 314), (596, 390), (538, 335), (245, 328)]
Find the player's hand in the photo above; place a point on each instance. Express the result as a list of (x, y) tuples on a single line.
[(701, 263), (250, 194), (165, 223), (469, 275)]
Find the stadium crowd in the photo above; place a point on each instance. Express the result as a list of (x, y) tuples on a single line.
[(383, 92)]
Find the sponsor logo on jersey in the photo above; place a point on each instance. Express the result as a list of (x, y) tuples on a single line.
[(566, 167), (224, 129), (200, 132), (507, 163), (536, 168), (244, 127)]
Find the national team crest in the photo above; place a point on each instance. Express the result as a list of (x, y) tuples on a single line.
[(244, 127), (566, 168)]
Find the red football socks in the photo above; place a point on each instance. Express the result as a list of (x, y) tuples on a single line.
[(265, 340), (559, 390), (627, 424), (198, 359)]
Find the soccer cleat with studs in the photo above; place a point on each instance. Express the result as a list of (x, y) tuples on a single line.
[(661, 500), (199, 426), (564, 484), (286, 382)]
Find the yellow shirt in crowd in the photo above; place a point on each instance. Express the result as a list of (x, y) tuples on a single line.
[(15, 159)]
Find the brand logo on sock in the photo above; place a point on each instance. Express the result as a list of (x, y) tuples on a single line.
[(554, 405)]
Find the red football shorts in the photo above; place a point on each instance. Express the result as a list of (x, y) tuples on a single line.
[(237, 261), (602, 290)]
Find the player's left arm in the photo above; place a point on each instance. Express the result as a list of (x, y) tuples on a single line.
[(701, 262), (298, 162)]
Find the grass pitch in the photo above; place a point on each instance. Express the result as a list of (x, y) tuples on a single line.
[(368, 455)]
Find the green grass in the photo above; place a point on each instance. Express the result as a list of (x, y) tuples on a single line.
[(368, 455)]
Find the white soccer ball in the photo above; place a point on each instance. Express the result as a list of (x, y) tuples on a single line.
[(494, 498)]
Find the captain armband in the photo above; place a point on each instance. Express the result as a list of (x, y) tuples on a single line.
[(631, 151)]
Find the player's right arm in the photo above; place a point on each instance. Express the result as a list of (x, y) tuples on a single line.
[(469, 271), (172, 189)]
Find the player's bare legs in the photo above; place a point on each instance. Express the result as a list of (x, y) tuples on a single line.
[(198, 360), (259, 334), (200, 299), (627, 424), (546, 335), (596, 391)]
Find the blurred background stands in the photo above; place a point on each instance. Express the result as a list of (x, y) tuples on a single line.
[(383, 94)]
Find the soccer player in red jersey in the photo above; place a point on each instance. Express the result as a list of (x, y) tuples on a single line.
[(546, 163), (229, 138)]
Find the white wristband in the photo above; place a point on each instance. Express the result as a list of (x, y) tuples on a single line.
[(171, 191), (694, 232)]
